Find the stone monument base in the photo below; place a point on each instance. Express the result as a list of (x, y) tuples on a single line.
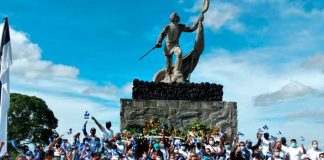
[(180, 113)]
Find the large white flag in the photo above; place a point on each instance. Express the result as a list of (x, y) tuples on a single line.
[(5, 53)]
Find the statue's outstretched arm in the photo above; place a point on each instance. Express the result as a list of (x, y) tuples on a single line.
[(194, 27), (186, 28)]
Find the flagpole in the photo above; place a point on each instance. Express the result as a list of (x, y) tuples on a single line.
[(5, 56)]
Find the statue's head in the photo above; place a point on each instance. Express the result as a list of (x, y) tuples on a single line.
[(174, 17)]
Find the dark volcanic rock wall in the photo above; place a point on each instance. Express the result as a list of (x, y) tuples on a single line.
[(177, 91)]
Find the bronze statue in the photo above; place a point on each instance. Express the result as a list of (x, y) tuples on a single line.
[(172, 32), (182, 68)]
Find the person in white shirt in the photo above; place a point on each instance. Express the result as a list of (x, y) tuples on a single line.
[(92, 135), (121, 147), (245, 151), (106, 133), (164, 150), (228, 149), (278, 153), (321, 156), (294, 152), (314, 152), (265, 142), (214, 148), (183, 151), (284, 146)]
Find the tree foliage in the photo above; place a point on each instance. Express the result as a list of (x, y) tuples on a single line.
[(29, 120)]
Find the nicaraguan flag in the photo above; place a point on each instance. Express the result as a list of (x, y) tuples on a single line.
[(274, 138), (221, 133), (302, 138), (14, 144), (5, 54), (69, 131), (265, 127), (240, 134), (86, 115)]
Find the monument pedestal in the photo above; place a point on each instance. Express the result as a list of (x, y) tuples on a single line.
[(178, 112)]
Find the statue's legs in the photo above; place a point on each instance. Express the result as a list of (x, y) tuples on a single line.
[(174, 75), (178, 53), (168, 67), (168, 58), (177, 74)]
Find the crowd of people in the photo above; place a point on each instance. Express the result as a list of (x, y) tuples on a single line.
[(198, 143)]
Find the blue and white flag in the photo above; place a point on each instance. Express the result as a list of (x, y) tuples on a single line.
[(240, 134), (265, 127), (273, 138), (302, 138), (69, 131), (5, 53), (86, 115), (14, 144), (222, 133)]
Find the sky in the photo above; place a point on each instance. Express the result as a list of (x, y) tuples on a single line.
[(81, 55)]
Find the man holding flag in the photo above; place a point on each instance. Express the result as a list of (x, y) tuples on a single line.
[(5, 54)]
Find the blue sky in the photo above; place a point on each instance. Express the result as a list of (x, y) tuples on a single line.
[(82, 55)]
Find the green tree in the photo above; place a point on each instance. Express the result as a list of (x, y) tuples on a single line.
[(29, 120)]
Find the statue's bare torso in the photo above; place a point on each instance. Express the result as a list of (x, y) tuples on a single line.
[(173, 35)]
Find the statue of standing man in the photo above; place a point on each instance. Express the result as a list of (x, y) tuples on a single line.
[(172, 33)]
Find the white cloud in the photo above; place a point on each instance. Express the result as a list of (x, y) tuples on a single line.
[(220, 14), (236, 26), (294, 11), (27, 60), (109, 92), (290, 91)]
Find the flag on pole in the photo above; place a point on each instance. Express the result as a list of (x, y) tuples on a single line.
[(240, 134), (302, 138), (86, 115), (265, 127), (14, 144), (273, 138), (69, 131), (5, 54)]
